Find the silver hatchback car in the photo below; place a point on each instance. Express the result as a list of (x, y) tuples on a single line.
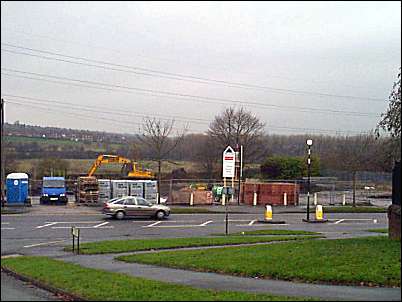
[(131, 206)]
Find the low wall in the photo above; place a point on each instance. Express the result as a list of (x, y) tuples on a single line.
[(183, 197), (270, 193)]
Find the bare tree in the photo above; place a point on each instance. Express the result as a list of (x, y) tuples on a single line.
[(355, 154), (156, 135), (391, 120), (237, 127), (207, 155)]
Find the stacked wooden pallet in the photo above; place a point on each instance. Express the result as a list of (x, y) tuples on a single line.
[(88, 190)]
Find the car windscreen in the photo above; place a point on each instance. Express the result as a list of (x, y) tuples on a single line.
[(118, 201), (53, 183)]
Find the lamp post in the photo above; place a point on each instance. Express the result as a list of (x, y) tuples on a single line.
[(309, 144)]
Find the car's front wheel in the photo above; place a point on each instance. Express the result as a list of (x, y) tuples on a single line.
[(119, 215), (160, 215)]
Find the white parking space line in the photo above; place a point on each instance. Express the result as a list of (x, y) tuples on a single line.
[(152, 224), (252, 222), (101, 224), (45, 225), (258, 225), (236, 220), (345, 220), (98, 225), (178, 226), (84, 227), (339, 221), (6, 228), (157, 225), (43, 243), (61, 222)]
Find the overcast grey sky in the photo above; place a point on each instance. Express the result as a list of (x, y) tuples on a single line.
[(292, 58)]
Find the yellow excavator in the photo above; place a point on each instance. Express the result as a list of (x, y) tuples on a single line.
[(130, 169)]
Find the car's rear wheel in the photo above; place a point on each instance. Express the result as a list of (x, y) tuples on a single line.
[(119, 215), (160, 215)]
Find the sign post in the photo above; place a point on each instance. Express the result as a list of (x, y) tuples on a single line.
[(75, 232), (228, 170)]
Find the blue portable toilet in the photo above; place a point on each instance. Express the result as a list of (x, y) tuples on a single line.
[(17, 188)]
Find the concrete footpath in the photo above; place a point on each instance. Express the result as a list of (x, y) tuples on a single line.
[(232, 283), (17, 290)]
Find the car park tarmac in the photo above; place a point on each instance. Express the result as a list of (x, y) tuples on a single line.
[(50, 226)]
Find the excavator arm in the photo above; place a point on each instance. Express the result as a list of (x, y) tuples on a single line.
[(132, 171)]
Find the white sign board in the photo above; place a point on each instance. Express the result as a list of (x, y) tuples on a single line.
[(75, 231), (229, 159)]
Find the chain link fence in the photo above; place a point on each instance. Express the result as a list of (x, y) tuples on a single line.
[(323, 190)]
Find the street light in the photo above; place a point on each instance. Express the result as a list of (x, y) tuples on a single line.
[(309, 144)]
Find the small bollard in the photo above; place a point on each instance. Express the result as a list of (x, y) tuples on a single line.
[(191, 199), (315, 199), (319, 212), (268, 216), (255, 199), (268, 213), (344, 199), (223, 199), (285, 199)]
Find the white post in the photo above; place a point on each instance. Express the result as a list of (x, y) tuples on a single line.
[(255, 199), (191, 199), (344, 199), (315, 199), (285, 199), (223, 195), (232, 188)]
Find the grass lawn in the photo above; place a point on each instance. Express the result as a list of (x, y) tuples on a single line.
[(272, 232), (368, 261), (98, 285), (378, 230), (120, 246)]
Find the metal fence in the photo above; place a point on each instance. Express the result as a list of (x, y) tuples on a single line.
[(324, 190)]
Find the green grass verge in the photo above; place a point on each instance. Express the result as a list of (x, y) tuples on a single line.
[(98, 285), (378, 230), (369, 260), (120, 246), (272, 232)]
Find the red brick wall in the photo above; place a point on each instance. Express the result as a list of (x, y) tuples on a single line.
[(183, 198), (270, 193)]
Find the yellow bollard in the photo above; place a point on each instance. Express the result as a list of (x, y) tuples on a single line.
[(319, 212), (268, 213)]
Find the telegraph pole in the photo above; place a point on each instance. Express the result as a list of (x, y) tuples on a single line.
[(3, 160), (309, 144), (239, 164)]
